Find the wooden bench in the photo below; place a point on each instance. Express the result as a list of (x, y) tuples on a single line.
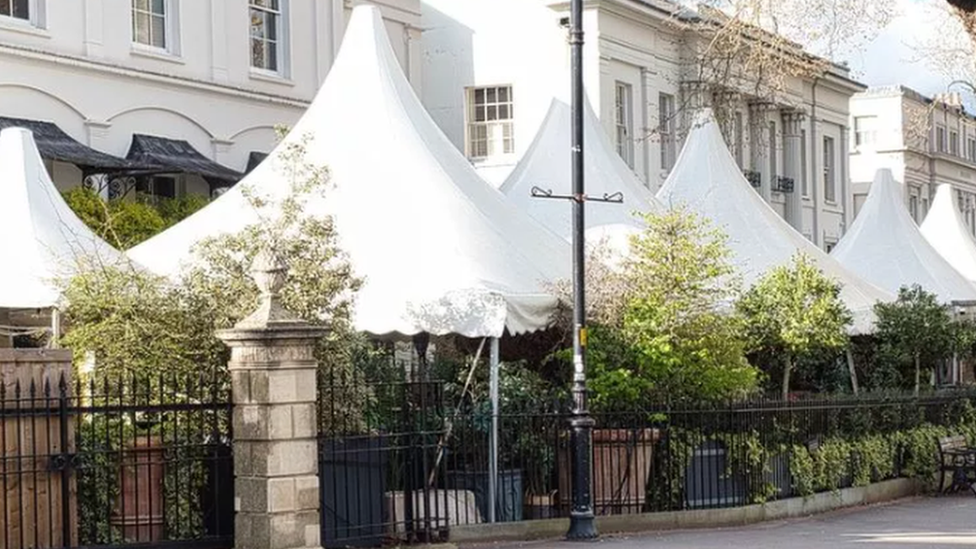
[(957, 457)]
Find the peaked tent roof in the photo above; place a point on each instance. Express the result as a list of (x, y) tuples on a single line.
[(42, 238), (440, 249), (707, 179), (546, 164), (885, 247), (946, 231)]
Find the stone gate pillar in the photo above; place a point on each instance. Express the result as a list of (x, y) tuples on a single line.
[(272, 366)]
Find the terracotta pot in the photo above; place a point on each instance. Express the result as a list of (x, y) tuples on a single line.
[(139, 507), (622, 461)]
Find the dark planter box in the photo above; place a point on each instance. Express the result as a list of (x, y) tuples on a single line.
[(510, 498), (352, 473)]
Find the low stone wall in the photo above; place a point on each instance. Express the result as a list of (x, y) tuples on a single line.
[(705, 518)]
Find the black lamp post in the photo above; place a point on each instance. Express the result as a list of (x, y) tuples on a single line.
[(581, 521), (582, 525)]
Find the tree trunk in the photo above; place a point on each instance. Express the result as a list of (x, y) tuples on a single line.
[(787, 369), (918, 372), (850, 366)]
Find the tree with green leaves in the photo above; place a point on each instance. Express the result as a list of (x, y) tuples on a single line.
[(125, 222), (686, 342), (131, 320), (795, 311), (916, 328)]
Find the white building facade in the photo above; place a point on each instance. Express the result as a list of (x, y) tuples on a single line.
[(924, 141), (219, 75), (492, 66)]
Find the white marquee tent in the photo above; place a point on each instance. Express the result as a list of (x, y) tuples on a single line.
[(441, 251), (946, 231), (885, 247), (43, 240), (547, 165), (706, 178)]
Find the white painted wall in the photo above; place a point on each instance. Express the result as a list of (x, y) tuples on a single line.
[(906, 144), (483, 42), (469, 43), (78, 67)]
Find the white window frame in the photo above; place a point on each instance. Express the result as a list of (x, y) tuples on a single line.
[(913, 204), (495, 132), (666, 129), (171, 34), (283, 41), (940, 139), (623, 115), (773, 160), (865, 130), (971, 148), (830, 169), (36, 11), (954, 142)]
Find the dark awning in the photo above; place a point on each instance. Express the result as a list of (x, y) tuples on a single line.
[(54, 144), (177, 156), (254, 159)]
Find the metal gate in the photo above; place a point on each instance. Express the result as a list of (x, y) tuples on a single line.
[(120, 462)]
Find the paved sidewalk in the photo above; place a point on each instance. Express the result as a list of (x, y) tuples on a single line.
[(918, 523)]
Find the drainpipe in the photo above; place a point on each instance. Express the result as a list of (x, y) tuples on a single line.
[(814, 180)]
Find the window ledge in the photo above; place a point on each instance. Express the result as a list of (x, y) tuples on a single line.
[(21, 26), (268, 76), (156, 53), (493, 161)]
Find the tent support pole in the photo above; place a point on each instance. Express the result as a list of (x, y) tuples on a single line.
[(493, 442), (850, 366)]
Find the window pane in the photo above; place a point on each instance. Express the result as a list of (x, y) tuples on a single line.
[(272, 58), (271, 24), (492, 112), (503, 94), (257, 23), (141, 27), (479, 96), (479, 114), (22, 9), (142, 5), (257, 53), (159, 31), (503, 112), (159, 7), (491, 95)]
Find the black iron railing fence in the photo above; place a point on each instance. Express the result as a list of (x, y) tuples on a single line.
[(121, 461), (421, 463)]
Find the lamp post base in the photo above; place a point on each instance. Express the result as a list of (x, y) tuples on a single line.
[(582, 527)]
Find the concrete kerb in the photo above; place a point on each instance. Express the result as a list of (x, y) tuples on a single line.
[(687, 520)]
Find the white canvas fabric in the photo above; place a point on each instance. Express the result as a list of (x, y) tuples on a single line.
[(547, 165), (946, 231), (706, 178), (885, 247), (43, 240), (440, 250)]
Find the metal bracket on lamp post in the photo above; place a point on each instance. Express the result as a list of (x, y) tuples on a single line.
[(612, 198)]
